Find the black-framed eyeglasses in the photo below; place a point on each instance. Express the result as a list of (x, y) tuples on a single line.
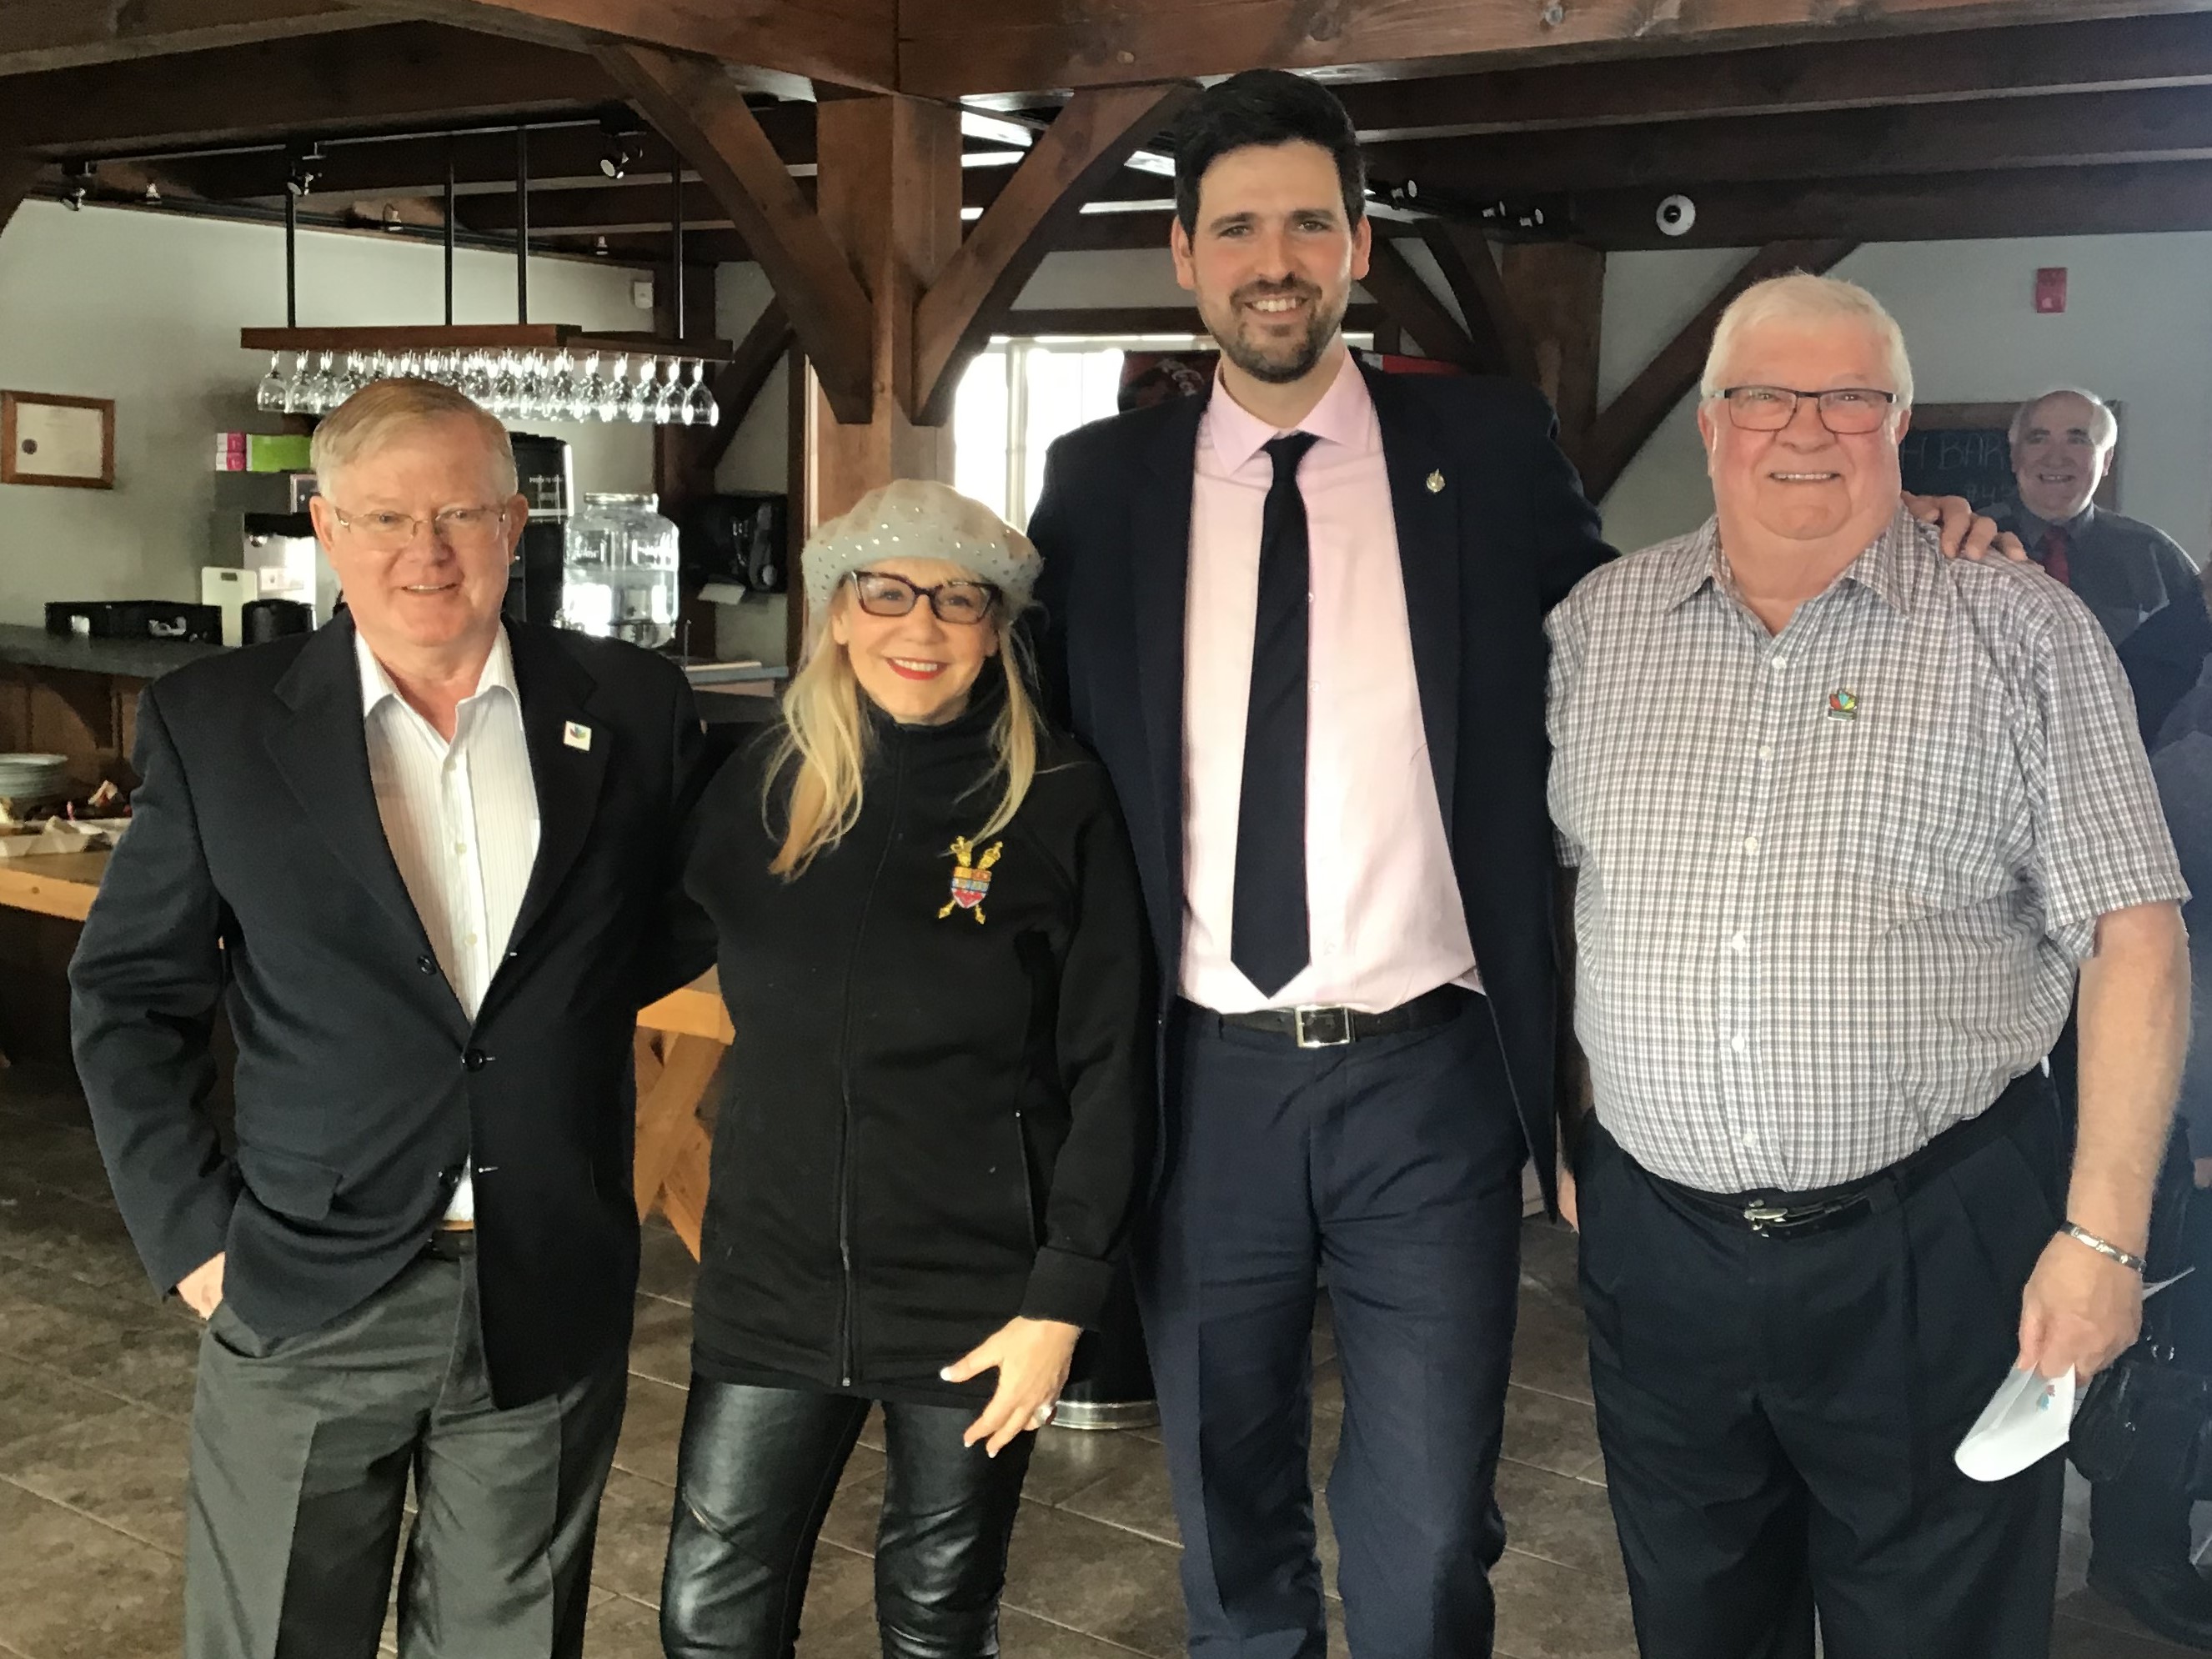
[(1845, 411), (961, 604)]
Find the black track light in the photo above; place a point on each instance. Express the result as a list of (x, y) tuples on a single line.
[(306, 166)]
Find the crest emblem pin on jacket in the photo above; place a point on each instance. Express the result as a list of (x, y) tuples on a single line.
[(971, 876)]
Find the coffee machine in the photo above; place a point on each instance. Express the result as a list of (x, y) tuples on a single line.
[(545, 471)]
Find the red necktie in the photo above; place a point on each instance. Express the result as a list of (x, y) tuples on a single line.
[(2054, 556)]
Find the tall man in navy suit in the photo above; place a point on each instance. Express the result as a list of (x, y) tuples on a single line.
[(1338, 811), (1301, 620)]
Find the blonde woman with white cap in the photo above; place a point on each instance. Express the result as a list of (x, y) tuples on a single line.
[(933, 949)]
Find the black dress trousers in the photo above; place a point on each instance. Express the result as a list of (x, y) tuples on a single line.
[(1779, 1414), (1392, 1165)]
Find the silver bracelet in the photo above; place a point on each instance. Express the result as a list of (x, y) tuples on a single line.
[(2083, 1236)]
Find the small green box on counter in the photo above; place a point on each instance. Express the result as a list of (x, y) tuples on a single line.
[(260, 452)]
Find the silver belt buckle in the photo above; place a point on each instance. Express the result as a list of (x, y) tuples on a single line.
[(1760, 1216), (1322, 1027)]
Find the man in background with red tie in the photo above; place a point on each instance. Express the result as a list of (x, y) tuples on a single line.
[(2142, 587)]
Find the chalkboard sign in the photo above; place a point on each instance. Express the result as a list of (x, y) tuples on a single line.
[(1963, 449)]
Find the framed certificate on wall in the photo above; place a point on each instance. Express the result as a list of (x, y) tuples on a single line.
[(46, 439)]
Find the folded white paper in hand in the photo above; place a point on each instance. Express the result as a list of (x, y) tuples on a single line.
[(2026, 1420)]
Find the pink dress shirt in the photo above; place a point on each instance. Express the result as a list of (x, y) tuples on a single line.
[(1387, 921)]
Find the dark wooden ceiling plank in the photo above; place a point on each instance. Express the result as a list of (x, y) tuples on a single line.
[(37, 36), (2085, 129), (398, 75), (847, 43), (2023, 62), (951, 48)]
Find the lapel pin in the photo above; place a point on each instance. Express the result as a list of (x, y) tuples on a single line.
[(1843, 705), (1436, 483), (575, 736)]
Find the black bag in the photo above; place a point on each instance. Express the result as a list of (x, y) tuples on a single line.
[(2144, 1414), (2147, 1414)]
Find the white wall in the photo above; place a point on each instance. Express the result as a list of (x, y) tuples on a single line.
[(145, 308), (2137, 329)]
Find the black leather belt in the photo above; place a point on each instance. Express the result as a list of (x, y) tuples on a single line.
[(1333, 1028), (1802, 1213)]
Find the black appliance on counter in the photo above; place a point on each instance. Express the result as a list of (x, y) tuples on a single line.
[(742, 538), (545, 472), (135, 619), (263, 620)]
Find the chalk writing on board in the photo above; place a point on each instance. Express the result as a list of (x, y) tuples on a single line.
[(1974, 462)]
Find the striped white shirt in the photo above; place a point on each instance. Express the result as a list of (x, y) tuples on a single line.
[(461, 819)]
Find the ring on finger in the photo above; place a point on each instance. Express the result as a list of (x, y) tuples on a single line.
[(1042, 1414)]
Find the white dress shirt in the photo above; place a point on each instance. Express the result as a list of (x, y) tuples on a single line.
[(461, 818), (1386, 917)]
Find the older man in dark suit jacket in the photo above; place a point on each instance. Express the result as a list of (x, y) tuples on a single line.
[(422, 860), (2142, 587)]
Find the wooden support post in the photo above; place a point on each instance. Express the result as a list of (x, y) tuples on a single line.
[(889, 193), (1634, 415), (1558, 290)]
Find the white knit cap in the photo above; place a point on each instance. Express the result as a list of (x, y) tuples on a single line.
[(916, 518)]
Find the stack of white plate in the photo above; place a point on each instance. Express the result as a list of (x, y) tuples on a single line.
[(32, 780)]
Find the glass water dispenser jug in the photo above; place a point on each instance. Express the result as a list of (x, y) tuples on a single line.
[(618, 570)]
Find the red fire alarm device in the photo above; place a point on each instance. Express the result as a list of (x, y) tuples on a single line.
[(2051, 290)]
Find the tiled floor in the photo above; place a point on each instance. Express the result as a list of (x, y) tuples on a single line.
[(95, 1387)]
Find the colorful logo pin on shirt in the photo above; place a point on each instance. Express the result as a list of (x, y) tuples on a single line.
[(971, 876), (1843, 705)]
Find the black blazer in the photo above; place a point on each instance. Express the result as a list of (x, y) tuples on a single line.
[(1484, 557), (256, 873)]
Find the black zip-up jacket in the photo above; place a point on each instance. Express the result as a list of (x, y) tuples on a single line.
[(935, 1112)]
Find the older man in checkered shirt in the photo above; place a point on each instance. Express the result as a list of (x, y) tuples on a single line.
[(1845, 821)]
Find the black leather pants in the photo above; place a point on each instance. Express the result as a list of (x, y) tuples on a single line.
[(754, 1479)]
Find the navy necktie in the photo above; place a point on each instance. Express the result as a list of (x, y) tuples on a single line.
[(1268, 939)]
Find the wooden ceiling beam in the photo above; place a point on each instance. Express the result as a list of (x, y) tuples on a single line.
[(738, 385), (1407, 300), (2024, 202), (563, 158), (2113, 54), (704, 115), (37, 36), (2082, 130), (847, 43), (1082, 152), (951, 48), (1628, 422), (395, 76), (1470, 270)]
